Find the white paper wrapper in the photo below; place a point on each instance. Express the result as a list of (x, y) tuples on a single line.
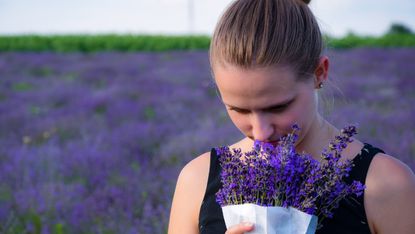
[(270, 220)]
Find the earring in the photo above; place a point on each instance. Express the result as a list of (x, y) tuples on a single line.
[(320, 85)]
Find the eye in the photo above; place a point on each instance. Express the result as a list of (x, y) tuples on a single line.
[(241, 111), (278, 109)]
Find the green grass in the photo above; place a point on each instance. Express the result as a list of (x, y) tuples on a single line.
[(387, 40), (93, 43), (158, 43)]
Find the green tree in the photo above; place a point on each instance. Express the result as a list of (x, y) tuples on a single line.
[(398, 28)]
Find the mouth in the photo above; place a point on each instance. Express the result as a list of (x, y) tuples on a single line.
[(273, 143)]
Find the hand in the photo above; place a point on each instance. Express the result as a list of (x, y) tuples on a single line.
[(240, 228)]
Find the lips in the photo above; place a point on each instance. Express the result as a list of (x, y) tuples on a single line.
[(274, 143)]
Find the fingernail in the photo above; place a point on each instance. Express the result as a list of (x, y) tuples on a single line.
[(247, 224)]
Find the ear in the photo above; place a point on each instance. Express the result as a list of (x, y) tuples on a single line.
[(321, 72)]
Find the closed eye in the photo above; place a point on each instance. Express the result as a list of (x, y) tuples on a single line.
[(242, 111), (277, 109), (272, 109)]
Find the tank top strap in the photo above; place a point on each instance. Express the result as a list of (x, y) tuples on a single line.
[(210, 217), (361, 163), (214, 174), (350, 216)]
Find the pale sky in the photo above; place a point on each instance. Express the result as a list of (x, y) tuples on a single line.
[(336, 17)]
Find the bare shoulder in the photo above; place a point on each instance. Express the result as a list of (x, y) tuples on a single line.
[(188, 196), (196, 170), (389, 173), (390, 195)]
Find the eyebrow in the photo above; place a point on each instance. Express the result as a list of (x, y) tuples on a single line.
[(270, 107)]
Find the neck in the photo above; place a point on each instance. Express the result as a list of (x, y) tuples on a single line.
[(317, 137)]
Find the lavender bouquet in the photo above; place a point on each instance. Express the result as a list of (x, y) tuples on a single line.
[(281, 190)]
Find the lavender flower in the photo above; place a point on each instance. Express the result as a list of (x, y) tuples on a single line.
[(137, 111), (279, 176)]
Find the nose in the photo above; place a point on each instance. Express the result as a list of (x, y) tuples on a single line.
[(262, 128)]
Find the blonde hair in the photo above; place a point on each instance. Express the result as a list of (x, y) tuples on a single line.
[(260, 33)]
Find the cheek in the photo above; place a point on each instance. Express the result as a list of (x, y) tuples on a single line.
[(284, 121), (301, 114), (240, 121), (304, 114)]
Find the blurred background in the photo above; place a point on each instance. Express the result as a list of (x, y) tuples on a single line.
[(337, 18), (103, 102)]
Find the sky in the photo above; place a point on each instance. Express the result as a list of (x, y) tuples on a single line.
[(172, 17)]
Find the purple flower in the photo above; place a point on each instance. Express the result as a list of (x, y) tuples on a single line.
[(279, 176)]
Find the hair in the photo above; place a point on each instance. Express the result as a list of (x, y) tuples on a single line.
[(261, 33)]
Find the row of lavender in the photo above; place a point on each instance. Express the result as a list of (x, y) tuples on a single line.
[(93, 143)]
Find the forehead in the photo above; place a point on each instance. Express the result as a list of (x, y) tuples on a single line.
[(255, 87)]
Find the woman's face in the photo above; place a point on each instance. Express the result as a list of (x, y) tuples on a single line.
[(264, 103)]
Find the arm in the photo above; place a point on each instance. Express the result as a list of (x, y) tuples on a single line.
[(188, 196), (390, 196), (187, 199)]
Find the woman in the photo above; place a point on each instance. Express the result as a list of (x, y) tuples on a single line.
[(267, 62)]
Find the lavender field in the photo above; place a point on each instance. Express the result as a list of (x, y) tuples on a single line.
[(93, 143)]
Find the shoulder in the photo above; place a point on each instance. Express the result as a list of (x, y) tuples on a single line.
[(389, 174), (390, 195), (396, 170), (196, 169), (188, 196)]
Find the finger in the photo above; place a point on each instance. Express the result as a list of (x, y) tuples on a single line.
[(240, 228)]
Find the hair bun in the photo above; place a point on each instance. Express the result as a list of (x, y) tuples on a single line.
[(306, 1)]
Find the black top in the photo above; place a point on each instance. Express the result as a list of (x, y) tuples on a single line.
[(349, 217)]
